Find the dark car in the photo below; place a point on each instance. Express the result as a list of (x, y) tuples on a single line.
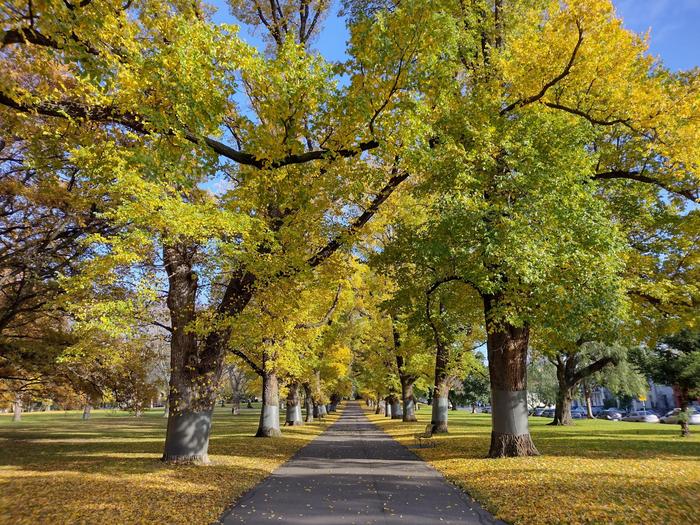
[(612, 414), (578, 413)]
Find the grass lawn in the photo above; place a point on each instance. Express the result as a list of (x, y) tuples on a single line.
[(56, 468), (592, 472)]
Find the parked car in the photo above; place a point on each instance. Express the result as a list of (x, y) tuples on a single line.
[(578, 413), (612, 414), (597, 410), (672, 416), (548, 412), (486, 409), (642, 416), (538, 411)]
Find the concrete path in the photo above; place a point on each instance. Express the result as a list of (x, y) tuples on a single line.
[(356, 474)]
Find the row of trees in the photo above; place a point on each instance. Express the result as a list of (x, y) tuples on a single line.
[(503, 172)]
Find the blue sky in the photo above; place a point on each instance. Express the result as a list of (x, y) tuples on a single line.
[(674, 26)]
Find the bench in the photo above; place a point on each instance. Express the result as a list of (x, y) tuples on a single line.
[(425, 436)]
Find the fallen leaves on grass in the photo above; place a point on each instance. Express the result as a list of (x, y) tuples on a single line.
[(58, 469), (593, 472)]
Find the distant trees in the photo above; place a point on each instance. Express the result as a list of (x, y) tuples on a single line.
[(675, 360), (475, 387)]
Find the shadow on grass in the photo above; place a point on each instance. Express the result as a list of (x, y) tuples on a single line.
[(108, 469)]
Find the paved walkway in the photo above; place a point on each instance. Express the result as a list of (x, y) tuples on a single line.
[(355, 474)]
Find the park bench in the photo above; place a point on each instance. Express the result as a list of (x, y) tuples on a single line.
[(425, 436)]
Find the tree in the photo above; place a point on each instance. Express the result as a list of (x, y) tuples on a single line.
[(528, 144), (158, 148), (675, 361), (542, 381), (475, 386)]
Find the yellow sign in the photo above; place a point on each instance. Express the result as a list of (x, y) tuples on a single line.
[(642, 397)]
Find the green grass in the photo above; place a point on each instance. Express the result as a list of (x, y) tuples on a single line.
[(593, 472), (56, 468)]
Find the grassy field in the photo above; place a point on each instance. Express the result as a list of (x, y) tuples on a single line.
[(593, 472), (56, 468)]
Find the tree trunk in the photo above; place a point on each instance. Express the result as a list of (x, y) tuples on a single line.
[(387, 406), (269, 425), (507, 354), (409, 401), (377, 408), (567, 383), (86, 411), (193, 373), (17, 409), (293, 414), (308, 404), (589, 403), (236, 407), (685, 426), (440, 407), (473, 409), (166, 408), (454, 402), (396, 412), (562, 411), (438, 395)]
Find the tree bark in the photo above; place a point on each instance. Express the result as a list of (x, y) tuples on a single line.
[(293, 414), (507, 354), (269, 425), (193, 375), (308, 404), (17, 408), (409, 401), (440, 392), (562, 410), (685, 426), (166, 408), (589, 403), (86, 411), (396, 411), (387, 406), (236, 407)]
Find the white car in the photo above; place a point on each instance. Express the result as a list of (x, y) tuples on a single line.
[(642, 416), (672, 416)]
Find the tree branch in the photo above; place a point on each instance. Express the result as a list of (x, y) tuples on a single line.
[(258, 370), (70, 109), (591, 369), (551, 83), (637, 176), (326, 318), (329, 249)]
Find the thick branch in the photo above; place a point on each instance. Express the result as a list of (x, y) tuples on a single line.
[(551, 83), (636, 176), (69, 109), (593, 368), (583, 114), (326, 318), (329, 249), (258, 370)]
